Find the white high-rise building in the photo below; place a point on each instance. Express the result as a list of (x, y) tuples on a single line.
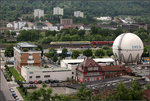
[(19, 25), (58, 11), (78, 14), (38, 13)]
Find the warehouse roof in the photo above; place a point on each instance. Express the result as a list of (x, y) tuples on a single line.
[(98, 60), (50, 69)]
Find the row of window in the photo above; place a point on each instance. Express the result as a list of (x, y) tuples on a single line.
[(45, 76)]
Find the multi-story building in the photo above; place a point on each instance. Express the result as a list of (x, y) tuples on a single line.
[(38, 13), (32, 73), (78, 14), (58, 11), (26, 54), (10, 25), (73, 63), (19, 25), (66, 21), (89, 70)]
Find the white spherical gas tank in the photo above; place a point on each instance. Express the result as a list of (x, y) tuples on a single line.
[(128, 47)]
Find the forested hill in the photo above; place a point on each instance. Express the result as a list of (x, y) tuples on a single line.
[(12, 9)]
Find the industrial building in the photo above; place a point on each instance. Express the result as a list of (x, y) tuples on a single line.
[(128, 48), (26, 54), (32, 73)]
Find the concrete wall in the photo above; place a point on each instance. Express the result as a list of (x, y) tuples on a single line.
[(70, 91), (58, 75)]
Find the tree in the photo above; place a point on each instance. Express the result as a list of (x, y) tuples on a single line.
[(51, 53), (99, 53), (109, 52), (105, 47), (13, 33), (136, 91), (146, 51), (30, 35), (75, 54), (9, 51), (34, 96), (88, 53), (54, 58), (122, 92), (64, 53), (148, 86), (45, 94), (84, 94), (41, 49), (44, 85)]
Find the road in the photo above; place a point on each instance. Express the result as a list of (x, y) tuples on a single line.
[(6, 94)]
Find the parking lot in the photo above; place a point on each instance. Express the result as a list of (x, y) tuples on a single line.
[(141, 70)]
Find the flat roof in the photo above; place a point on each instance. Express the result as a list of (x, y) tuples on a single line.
[(107, 60), (50, 69), (26, 44)]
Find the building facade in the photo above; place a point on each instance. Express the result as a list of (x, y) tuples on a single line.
[(34, 73), (78, 14), (26, 54), (19, 25), (66, 21), (58, 11), (10, 25), (73, 63), (38, 13), (89, 70)]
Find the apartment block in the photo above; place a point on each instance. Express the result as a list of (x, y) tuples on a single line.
[(38, 13), (26, 54), (66, 21), (58, 11), (78, 14)]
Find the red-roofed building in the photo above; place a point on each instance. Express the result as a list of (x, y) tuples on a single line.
[(89, 70)]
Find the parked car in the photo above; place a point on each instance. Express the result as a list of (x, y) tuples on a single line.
[(51, 81), (39, 82), (56, 81), (46, 81), (31, 82), (35, 82), (11, 89)]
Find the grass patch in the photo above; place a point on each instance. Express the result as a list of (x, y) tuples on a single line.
[(22, 93), (8, 75), (16, 75)]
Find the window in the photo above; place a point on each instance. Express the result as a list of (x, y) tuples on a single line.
[(37, 76), (30, 77), (46, 76), (31, 73), (72, 72)]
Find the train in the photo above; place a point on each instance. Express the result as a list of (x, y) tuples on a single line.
[(82, 43)]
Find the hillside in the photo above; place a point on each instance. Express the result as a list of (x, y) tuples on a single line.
[(12, 9)]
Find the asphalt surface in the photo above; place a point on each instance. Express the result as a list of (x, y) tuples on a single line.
[(5, 94), (2, 97)]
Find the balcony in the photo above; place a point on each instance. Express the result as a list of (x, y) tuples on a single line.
[(30, 61), (30, 57)]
